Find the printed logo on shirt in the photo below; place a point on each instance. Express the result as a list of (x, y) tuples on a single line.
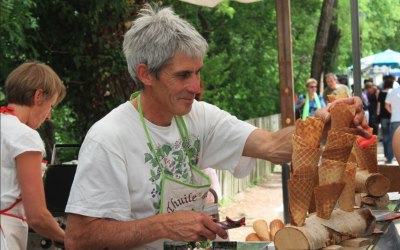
[(175, 162)]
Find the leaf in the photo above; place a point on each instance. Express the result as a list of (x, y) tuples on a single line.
[(160, 153), (179, 154), (178, 166), (147, 157), (197, 145), (166, 149), (154, 162), (157, 176), (156, 205), (169, 173), (179, 171), (158, 188), (192, 153), (153, 174), (184, 176)]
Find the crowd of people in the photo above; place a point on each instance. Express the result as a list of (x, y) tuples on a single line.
[(139, 179)]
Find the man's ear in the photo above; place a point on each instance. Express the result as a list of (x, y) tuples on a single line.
[(144, 74), (38, 97)]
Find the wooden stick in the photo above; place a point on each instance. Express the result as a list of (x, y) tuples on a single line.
[(319, 233)]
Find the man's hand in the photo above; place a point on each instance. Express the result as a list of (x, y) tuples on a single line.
[(191, 226), (359, 118)]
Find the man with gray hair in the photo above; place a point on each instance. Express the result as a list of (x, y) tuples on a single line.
[(139, 180), (333, 87)]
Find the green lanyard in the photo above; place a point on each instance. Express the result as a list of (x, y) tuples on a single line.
[(306, 109)]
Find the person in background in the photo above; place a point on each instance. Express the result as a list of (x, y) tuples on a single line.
[(162, 134), (384, 117), (198, 247), (392, 104), (373, 94), (333, 87), (343, 80), (308, 103), (32, 90)]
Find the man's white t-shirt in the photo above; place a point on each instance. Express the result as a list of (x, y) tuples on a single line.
[(393, 97), (118, 176), (16, 138)]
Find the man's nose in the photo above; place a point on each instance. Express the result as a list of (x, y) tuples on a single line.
[(194, 84)]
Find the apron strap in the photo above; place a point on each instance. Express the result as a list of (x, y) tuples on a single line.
[(4, 212)]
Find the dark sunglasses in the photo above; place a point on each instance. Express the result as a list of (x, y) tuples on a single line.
[(313, 87)]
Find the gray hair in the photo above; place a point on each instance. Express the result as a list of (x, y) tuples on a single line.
[(156, 36), (331, 74), (197, 244)]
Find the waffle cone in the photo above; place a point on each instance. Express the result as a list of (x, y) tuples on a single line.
[(337, 138), (261, 229), (357, 150), (341, 116), (252, 237), (333, 98), (331, 171), (298, 142), (326, 197), (312, 208), (367, 158), (305, 157), (310, 130), (306, 173), (274, 226), (337, 154), (346, 199), (371, 157), (352, 157), (300, 192)]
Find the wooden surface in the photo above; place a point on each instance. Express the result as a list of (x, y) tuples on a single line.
[(357, 242), (333, 247)]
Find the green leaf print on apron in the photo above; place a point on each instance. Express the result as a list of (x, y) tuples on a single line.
[(175, 194)]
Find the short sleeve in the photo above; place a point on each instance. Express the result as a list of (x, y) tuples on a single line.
[(100, 186), (224, 141), (28, 141)]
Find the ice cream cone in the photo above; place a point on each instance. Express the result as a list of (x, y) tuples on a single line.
[(337, 154), (346, 199), (352, 157), (341, 116), (326, 197), (300, 192), (305, 156), (331, 171), (367, 158), (310, 130), (298, 142), (306, 172), (338, 138), (333, 98), (312, 208)]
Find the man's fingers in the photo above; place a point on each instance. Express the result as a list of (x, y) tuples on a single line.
[(215, 228), (363, 133), (352, 100)]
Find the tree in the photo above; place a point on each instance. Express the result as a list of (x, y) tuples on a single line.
[(319, 56)]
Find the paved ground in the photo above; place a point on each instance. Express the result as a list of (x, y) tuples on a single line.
[(263, 201)]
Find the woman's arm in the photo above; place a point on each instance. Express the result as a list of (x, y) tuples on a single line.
[(32, 192), (300, 102)]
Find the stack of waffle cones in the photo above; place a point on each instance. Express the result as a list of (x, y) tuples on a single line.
[(367, 158), (335, 173), (304, 168)]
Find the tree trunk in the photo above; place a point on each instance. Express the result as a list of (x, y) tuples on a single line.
[(47, 133), (317, 64), (333, 42)]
